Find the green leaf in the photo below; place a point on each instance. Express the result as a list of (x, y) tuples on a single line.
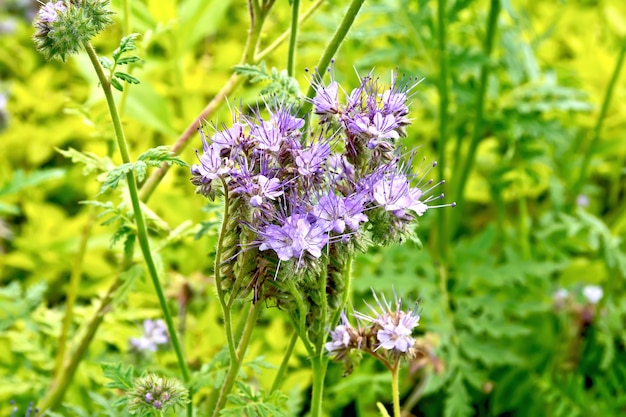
[(21, 180), (127, 43), (161, 154), (92, 162), (114, 177), (121, 378), (128, 279), (126, 77), (458, 403), (116, 84), (128, 60)]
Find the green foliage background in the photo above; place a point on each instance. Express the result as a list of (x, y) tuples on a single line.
[(498, 343)]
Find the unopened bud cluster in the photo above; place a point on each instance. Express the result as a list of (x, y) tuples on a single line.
[(63, 27)]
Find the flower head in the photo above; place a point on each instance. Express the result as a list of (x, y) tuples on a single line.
[(152, 392), (63, 27), (394, 325)]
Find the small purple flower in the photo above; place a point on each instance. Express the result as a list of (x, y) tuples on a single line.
[(286, 123), (334, 213), (374, 129), (229, 139), (396, 325), (266, 188), (154, 334), (326, 100), (394, 194), (49, 13), (294, 238), (268, 137), (310, 161), (211, 165), (339, 337)]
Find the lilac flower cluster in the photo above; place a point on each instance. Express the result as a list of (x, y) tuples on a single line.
[(306, 189), (386, 333)]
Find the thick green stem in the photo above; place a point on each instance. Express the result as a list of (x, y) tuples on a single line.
[(291, 56), (280, 375), (582, 176), (442, 239), (319, 365), (395, 389), (333, 46), (218, 277), (233, 368), (347, 290), (461, 176), (142, 234)]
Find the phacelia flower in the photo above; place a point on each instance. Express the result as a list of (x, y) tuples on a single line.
[(294, 239), (394, 325), (49, 12), (152, 394), (154, 334)]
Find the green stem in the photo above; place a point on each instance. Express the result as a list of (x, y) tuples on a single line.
[(291, 57), (218, 277), (443, 123), (395, 389), (319, 364), (233, 368), (462, 175), (333, 46), (597, 130), (72, 293), (280, 375), (283, 37), (142, 234)]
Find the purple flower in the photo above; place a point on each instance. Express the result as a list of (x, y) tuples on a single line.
[(310, 161), (396, 325), (286, 123), (49, 13), (394, 194), (326, 100), (211, 164), (229, 138), (294, 238), (379, 127), (340, 337), (334, 213), (268, 137), (154, 334), (265, 188)]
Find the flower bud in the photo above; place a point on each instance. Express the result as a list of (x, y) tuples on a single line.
[(63, 27)]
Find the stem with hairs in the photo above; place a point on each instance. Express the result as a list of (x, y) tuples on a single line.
[(142, 234)]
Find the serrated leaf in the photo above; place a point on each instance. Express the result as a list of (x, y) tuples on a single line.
[(114, 177), (121, 378), (161, 154), (254, 73), (458, 403), (21, 180), (128, 60), (92, 162), (127, 43), (126, 77)]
